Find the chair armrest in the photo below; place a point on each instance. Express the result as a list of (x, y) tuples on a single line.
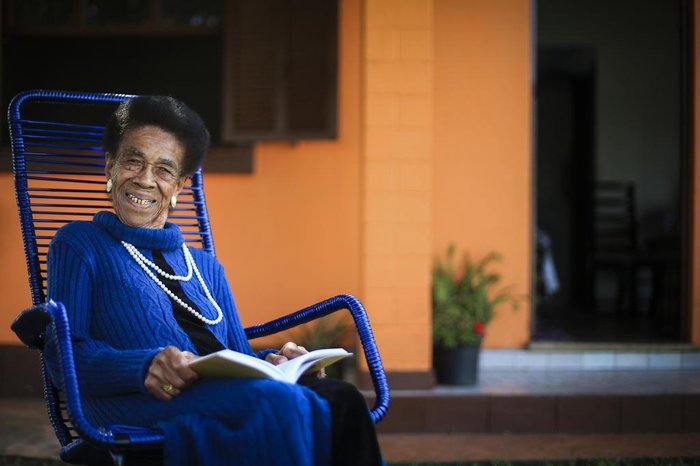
[(369, 346), (30, 326), (134, 438)]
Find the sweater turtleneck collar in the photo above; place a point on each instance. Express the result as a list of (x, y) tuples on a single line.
[(167, 238)]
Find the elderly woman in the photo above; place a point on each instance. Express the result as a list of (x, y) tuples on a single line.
[(142, 305)]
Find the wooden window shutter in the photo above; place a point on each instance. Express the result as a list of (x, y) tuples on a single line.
[(281, 69)]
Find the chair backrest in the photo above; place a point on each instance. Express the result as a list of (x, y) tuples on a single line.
[(615, 219), (58, 163)]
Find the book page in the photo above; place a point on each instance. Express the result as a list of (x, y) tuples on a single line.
[(311, 362), (228, 363)]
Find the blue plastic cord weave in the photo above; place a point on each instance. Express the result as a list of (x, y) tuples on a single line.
[(59, 177)]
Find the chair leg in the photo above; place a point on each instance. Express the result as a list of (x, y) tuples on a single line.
[(626, 299), (621, 284), (117, 458)]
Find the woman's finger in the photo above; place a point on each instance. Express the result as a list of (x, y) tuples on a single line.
[(169, 373), (292, 350), (170, 390), (154, 386), (275, 359)]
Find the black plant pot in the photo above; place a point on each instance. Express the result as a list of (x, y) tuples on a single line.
[(456, 366)]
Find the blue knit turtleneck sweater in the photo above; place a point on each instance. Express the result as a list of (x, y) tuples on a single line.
[(119, 316), (120, 319)]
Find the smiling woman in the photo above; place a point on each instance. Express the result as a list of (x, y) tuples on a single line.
[(156, 132), (142, 305), (145, 176)]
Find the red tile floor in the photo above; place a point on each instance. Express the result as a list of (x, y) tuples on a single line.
[(591, 414)]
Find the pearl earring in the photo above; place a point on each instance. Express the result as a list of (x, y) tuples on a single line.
[(173, 201), (108, 188)]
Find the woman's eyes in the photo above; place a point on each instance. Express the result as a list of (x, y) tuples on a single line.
[(164, 171), (134, 164)]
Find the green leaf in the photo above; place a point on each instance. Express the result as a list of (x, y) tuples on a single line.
[(461, 297)]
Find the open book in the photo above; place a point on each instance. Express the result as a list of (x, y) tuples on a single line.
[(228, 363)]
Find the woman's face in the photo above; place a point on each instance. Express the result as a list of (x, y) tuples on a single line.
[(145, 173)]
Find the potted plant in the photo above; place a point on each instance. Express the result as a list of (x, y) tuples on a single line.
[(464, 299)]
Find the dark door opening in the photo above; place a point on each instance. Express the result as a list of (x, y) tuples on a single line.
[(610, 183)]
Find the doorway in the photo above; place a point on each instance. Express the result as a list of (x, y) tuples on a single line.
[(610, 151)]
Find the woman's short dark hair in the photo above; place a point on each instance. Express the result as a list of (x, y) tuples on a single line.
[(166, 113)]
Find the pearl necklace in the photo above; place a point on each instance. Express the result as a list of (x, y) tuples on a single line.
[(144, 263), (140, 258)]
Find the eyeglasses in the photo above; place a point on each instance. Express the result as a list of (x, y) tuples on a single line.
[(162, 171)]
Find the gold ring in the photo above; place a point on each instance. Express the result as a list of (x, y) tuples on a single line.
[(170, 389)]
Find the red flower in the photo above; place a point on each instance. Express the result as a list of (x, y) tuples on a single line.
[(479, 328)]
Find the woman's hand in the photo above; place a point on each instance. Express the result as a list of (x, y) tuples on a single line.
[(169, 373), (290, 350)]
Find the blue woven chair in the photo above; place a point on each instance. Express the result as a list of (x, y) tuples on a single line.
[(59, 177)]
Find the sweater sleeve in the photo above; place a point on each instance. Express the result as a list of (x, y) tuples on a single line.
[(102, 369)]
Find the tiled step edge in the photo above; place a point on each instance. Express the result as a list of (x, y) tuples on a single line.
[(510, 359)]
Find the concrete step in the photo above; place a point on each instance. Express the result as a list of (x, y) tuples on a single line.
[(541, 449), (561, 402), (568, 414)]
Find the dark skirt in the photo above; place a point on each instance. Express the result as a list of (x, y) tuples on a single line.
[(353, 437)]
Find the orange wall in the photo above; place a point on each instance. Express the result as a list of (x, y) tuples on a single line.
[(396, 178), (415, 87), (288, 235), (482, 170), (14, 288)]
